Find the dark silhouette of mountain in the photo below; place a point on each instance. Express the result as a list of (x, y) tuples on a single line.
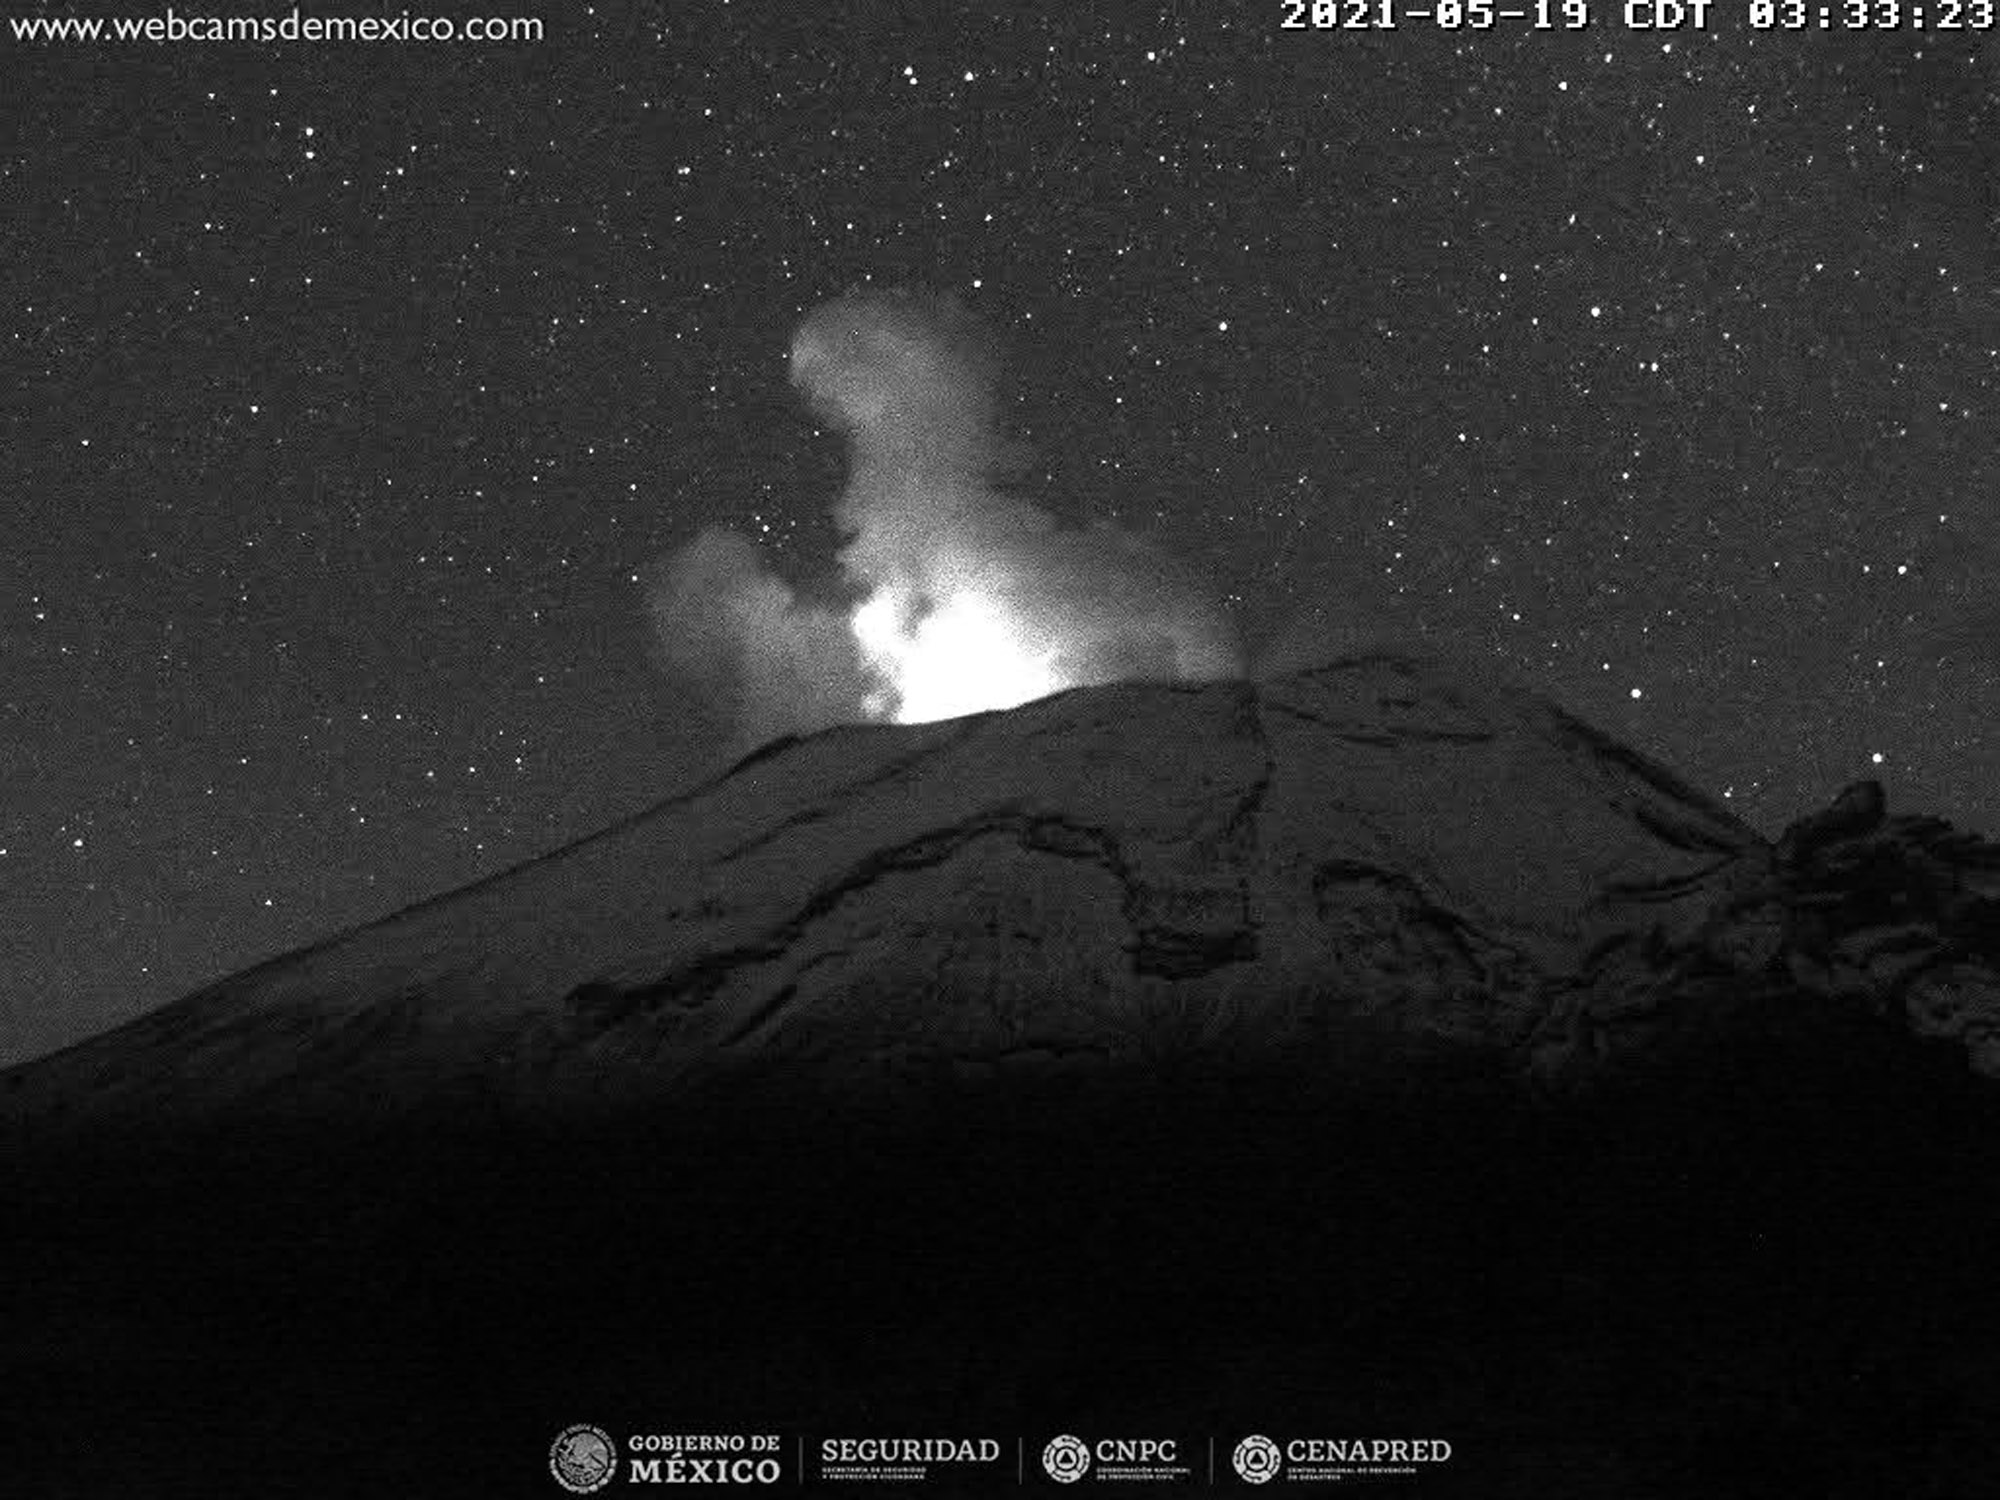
[(1379, 1050)]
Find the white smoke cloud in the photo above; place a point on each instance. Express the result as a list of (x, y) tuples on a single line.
[(769, 661), (971, 597)]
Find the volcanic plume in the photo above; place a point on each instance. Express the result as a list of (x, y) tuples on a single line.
[(959, 595)]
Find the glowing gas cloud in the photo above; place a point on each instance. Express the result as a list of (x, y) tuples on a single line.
[(956, 596)]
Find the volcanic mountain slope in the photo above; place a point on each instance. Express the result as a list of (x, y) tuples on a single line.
[(1381, 851), (1373, 1052)]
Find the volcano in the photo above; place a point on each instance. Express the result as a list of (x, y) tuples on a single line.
[(1375, 1048)]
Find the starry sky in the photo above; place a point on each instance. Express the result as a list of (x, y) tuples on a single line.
[(352, 391)]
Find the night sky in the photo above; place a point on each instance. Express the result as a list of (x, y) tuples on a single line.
[(352, 392)]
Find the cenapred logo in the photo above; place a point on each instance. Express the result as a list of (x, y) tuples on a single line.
[(583, 1458), (1066, 1459), (1257, 1459)]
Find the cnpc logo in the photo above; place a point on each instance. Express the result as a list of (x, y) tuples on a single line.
[(1068, 1458)]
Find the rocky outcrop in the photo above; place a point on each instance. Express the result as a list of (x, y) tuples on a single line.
[(1851, 911), (1900, 916)]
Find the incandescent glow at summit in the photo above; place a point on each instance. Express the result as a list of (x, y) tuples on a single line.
[(961, 656), (964, 596)]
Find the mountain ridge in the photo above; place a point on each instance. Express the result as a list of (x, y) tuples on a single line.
[(1383, 842), (1375, 1048)]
